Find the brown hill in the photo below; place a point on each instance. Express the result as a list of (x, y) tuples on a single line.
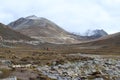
[(110, 40), (8, 34)]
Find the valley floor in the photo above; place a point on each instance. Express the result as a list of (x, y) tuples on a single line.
[(59, 62)]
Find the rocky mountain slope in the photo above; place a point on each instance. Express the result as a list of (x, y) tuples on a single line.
[(8, 34), (90, 35), (43, 30), (94, 34)]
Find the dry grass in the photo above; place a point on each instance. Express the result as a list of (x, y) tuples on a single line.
[(5, 73), (40, 55)]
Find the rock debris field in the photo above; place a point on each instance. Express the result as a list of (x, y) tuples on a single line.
[(97, 68)]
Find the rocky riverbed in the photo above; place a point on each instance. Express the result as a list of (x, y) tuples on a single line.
[(97, 68)]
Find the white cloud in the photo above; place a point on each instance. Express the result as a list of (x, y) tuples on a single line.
[(111, 2), (72, 15)]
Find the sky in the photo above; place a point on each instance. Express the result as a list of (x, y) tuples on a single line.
[(72, 15)]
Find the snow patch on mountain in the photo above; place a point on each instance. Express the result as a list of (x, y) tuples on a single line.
[(97, 32)]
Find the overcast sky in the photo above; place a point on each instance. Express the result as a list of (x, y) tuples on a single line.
[(72, 15)]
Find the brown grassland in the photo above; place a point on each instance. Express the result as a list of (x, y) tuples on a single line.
[(45, 54)]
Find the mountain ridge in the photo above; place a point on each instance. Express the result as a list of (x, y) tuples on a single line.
[(95, 34), (42, 29)]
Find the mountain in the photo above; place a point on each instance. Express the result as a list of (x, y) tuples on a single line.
[(94, 34), (8, 34), (113, 39), (42, 29), (90, 35), (109, 40), (107, 45)]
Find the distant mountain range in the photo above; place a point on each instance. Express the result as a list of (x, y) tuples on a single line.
[(90, 35), (96, 33)]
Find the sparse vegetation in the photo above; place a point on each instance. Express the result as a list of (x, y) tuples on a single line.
[(5, 73)]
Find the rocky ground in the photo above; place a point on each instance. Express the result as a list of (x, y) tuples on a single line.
[(97, 68)]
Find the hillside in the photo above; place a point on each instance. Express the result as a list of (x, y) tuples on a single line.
[(8, 34), (42, 29), (110, 40)]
